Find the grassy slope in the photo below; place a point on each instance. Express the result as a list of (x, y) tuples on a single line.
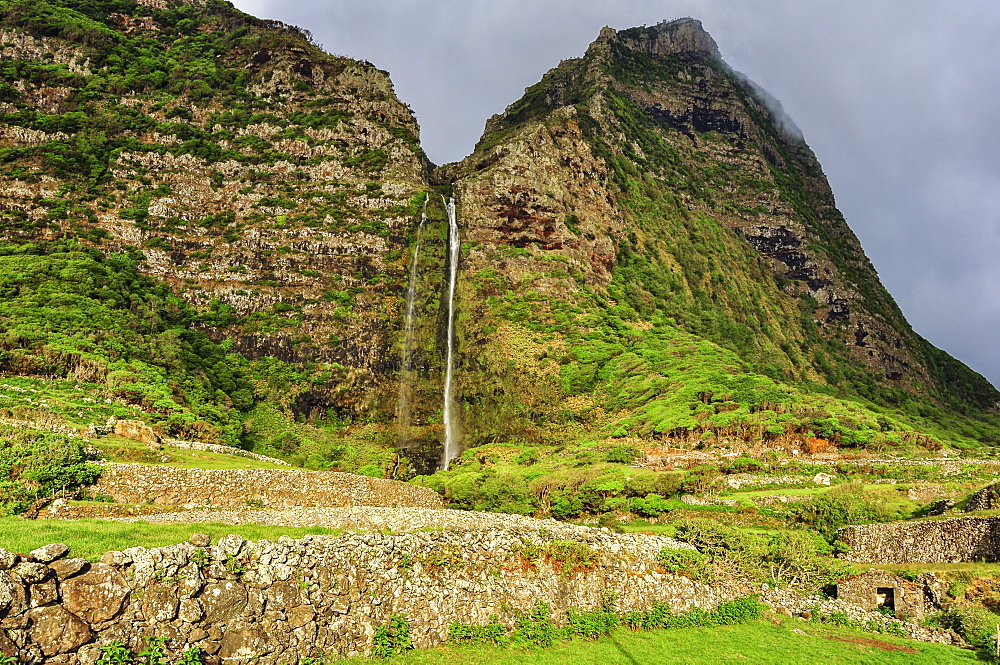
[(119, 449), (91, 538), (758, 643)]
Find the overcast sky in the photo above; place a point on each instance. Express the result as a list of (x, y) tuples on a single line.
[(900, 100)]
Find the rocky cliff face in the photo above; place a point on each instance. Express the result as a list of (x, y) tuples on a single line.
[(273, 186), (650, 172), (649, 246)]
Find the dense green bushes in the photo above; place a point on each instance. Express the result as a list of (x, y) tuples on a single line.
[(587, 487), (392, 639), (788, 558), (847, 504), (69, 311), (34, 464), (976, 625)]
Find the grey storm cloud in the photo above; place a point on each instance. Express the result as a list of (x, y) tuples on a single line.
[(898, 98)]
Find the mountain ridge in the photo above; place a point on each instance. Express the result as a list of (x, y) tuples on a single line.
[(639, 200)]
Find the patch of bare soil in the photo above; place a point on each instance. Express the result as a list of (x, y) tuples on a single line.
[(985, 591), (874, 644)]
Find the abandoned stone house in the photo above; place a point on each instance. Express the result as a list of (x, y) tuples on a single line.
[(875, 589)]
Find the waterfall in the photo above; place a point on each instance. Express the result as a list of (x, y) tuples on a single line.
[(406, 376), (450, 425)]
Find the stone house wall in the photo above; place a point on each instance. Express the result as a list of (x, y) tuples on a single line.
[(953, 540), (234, 488), (319, 595), (862, 591)]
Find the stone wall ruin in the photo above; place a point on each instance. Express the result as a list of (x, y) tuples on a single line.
[(236, 488), (286, 600), (952, 540)]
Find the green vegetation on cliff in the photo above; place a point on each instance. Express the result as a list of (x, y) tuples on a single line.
[(69, 312), (738, 306), (210, 222)]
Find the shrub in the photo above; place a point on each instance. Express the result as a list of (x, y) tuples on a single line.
[(566, 556), (115, 653), (622, 455), (654, 617), (36, 463), (392, 639), (691, 563), (848, 504), (976, 625), (796, 559), (494, 633), (591, 624), (536, 627), (741, 610), (651, 505), (565, 504)]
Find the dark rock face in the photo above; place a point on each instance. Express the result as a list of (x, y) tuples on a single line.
[(668, 38), (724, 150)]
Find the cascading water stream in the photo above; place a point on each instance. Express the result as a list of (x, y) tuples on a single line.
[(450, 423), (406, 379)]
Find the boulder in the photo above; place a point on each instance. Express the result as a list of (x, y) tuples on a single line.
[(66, 568), (7, 559), (97, 595), (190, 611), (49, 553), (200, 539), (823, 478), (138, 431), (43, 593), (55, 631), (223, 601), (159, 603), (31, 573), (7, 648), (8, 593)]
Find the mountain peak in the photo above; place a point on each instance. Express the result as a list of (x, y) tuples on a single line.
[(683, 35)]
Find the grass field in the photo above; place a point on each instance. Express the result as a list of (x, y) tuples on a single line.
[(757, 643), (120, 449), (92, 538)]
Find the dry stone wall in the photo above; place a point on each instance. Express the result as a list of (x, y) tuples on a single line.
[(286, 600), (954, 540), (163, 485), (987, 498), (221, 450)]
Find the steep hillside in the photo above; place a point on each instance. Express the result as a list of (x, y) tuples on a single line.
[(269, 186), (210, 224), (645, 203)]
